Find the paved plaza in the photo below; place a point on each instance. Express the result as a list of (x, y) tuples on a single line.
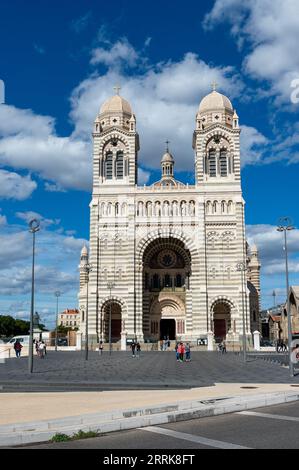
[(69, 371)]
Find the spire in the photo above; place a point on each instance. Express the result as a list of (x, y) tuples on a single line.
[(214, 85), (117, 89), (167, 162)]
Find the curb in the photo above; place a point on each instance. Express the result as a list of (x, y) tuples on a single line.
[(43, 431)]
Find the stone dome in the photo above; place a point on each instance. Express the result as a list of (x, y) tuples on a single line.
[(116, 104), (215, 101), (167, 157), (84, 251)]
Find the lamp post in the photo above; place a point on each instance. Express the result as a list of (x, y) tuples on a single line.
[(57, 295), (285, 224), (110, 286), (241, 267), (34, 226), (88, 269)]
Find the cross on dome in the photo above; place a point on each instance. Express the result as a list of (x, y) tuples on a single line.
[(214, 85), (167, 147), (117, 89)]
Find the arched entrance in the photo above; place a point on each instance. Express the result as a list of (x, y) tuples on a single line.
[(167, 329), (166, 278), (115, 309), (221, 319)]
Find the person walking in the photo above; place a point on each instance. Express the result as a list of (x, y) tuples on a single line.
[(138, 349), (41, 349), (223, 349), (133, 347), (188, 352), (36, 347), (101, 348), (182, 351), (177, 352), (18, 348)]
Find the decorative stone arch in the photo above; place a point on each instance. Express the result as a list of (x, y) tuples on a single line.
[(171, 300), (166, 232), (222, 321), (218, 132), (109, 137), (121, 315)]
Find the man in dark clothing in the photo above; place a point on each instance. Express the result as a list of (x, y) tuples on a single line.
[(133, 346), (18, 347)]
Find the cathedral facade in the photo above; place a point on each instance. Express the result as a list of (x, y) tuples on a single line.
[(169, 259)]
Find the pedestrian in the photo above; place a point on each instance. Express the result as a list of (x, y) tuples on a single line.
[(223, 347), (101, 348), (182, 352), (41, 349), (188, 352), (161, 344), (18, 348), (36, 347), (177, 352), (133, 347), (138, 349)]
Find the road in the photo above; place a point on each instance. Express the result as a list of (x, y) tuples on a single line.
[(263, 428)]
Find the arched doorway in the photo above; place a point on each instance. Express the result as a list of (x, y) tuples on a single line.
[(115, 310), (221, 319), (166, 278)]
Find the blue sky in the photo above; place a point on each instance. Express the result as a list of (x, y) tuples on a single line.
[(60, 61)]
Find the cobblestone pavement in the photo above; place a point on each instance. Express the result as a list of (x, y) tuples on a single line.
[(70, 371)]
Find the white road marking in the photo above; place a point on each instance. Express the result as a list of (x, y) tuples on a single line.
[(192, 438), (267, 415)]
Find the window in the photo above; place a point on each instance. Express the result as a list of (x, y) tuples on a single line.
[(156, 281), (109, 166), (179, 282), (212, 163), (167, 281), (223, 163), (119, 166)]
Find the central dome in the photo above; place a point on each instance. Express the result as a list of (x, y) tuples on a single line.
[(214, 100), (167, 157), (116, 104)]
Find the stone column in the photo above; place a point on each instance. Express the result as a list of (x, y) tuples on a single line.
[(256, 340), (210, 341), (123, 342), (78, 341)]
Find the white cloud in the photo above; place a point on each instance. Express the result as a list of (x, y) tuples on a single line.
[(143, 176), (3, 219), (120, 53), (253, 145), (29, 215), (80, 24), (15, 186), (165, 99), (270, 244), (271, 29), (57, 259)]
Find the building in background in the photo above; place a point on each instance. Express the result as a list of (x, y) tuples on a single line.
[(69, 318)]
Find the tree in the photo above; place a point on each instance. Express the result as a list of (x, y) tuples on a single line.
[(22, 327), (7, 325)]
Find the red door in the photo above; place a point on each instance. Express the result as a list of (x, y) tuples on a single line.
[(220, 328)]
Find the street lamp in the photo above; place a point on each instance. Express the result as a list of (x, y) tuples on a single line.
[(34, 226), (110, 286), (88, 269), (285, 224), (241, 267), (57, 295)]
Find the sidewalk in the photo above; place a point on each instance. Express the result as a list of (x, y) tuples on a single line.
[(36, 417)]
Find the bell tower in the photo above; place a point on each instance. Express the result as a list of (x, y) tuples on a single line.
[(115, 143), (216, 141)]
